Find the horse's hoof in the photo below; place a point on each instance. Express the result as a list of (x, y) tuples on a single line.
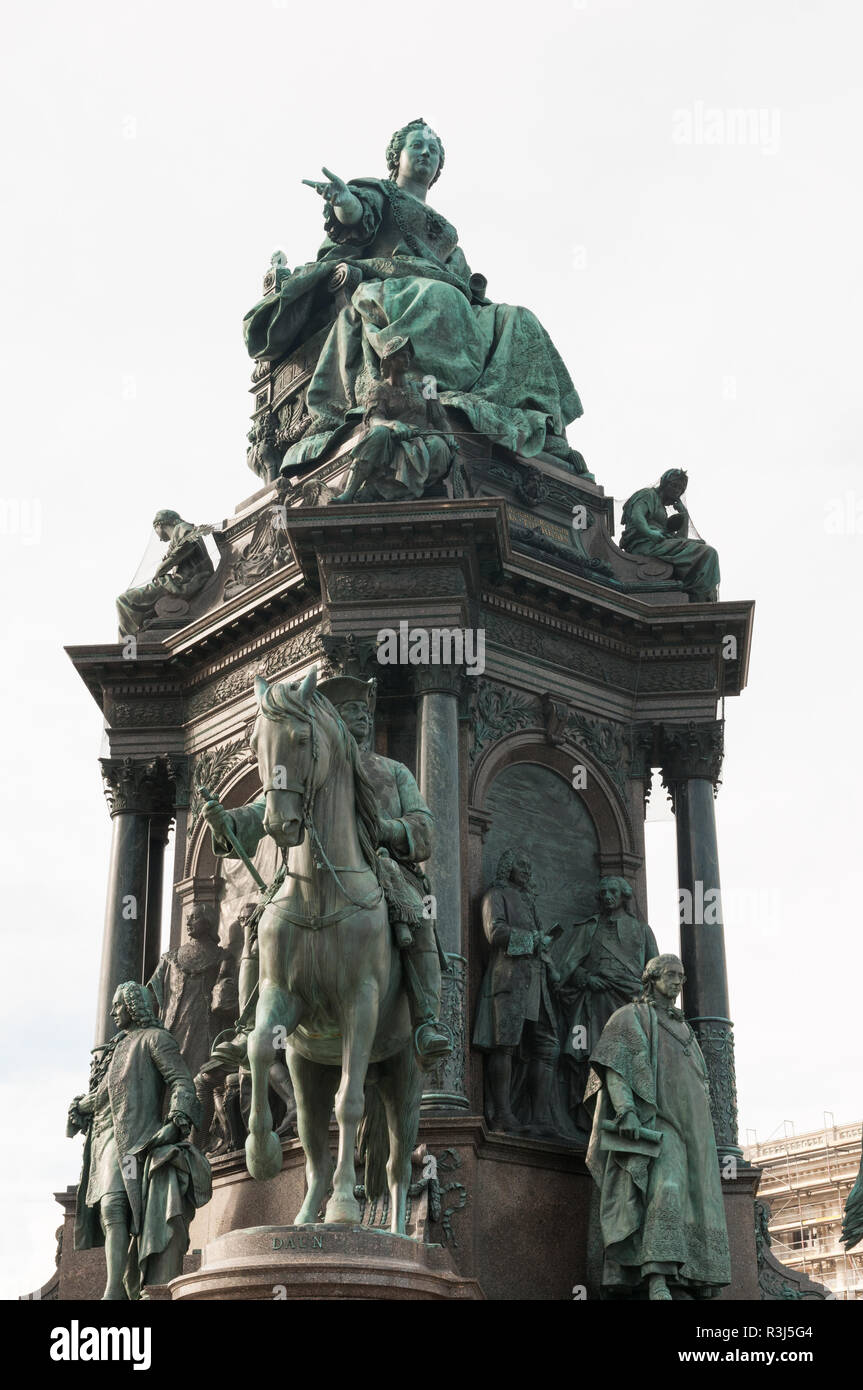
[(263, 1157), (306, 1216), (342, 1211)]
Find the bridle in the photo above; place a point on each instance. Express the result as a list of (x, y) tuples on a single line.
[(308, 790)]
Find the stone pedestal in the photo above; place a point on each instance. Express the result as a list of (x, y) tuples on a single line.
[(322, 1262)]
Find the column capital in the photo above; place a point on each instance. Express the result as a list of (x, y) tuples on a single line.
[(345, 654), (150, 786), (438, 680), (691, 750)]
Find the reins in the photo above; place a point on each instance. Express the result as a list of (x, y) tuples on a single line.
[(309, 792)]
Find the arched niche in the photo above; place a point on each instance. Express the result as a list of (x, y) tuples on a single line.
[(523, 791), (533, 808)]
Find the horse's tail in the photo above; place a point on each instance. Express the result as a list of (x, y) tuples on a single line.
[(373, 1143)]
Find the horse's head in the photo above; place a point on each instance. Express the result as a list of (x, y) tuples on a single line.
[(293, 759)]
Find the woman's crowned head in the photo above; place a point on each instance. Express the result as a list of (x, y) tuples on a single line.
[(401, 138)]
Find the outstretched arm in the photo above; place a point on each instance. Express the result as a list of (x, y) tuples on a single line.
[(345, 205), (247, 824)]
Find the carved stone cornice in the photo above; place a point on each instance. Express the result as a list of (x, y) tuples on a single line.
[(690, 751), (153, 786)]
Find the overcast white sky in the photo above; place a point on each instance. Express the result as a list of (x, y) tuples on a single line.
[(702, 283)]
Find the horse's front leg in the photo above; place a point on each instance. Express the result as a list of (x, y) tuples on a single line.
[(277, 1015), (359, 1025), (314, 1088)]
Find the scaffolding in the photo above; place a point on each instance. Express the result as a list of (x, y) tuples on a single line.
[(807, 1179)]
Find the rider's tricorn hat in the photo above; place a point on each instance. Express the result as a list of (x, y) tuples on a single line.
[(340, 689), (398, 343)]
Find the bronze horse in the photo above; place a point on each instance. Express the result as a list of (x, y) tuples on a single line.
[(330, 986)]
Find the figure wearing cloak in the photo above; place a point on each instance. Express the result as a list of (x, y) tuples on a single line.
[(661, 1217), (194, 987), (493, 362), (183, 571), (600, 964), (648, 530)]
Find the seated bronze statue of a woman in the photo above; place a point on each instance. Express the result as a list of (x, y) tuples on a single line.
[(494, 363)]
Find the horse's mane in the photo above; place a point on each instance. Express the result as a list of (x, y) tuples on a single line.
[(282, 699)]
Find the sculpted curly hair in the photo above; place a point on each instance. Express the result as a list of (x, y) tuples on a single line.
[(397, 144), (504, 869), (138, 1002)]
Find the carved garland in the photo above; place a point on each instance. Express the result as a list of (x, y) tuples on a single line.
[(211, 768)]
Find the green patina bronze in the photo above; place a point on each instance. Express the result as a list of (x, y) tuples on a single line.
[(181, 573), (494, 363), (600, 964), (515, 1012), (649, 530), (852, 1218), (652, 1150), (142, 1181), (348, 961)]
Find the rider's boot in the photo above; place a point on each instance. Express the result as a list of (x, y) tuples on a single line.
[(432, 1039)]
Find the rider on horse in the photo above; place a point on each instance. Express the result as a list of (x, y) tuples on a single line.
[(406, 828)]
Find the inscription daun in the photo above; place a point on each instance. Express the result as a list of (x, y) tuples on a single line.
[(309, 1242)]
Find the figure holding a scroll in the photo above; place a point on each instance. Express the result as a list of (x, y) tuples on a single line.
[(652, 1150)]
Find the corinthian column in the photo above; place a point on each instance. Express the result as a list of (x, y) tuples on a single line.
[(437, 689), (691, 763), (141, 797)]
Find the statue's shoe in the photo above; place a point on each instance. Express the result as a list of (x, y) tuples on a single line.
[(432, 1040), (660, 1295)]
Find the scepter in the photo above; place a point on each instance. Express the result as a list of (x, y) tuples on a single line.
[(234, 842)]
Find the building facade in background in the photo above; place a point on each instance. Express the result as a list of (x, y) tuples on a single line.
[(807, 1179)]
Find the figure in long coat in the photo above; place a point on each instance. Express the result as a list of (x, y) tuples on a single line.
[(600, 964), (516, 1012), (652, 1150), (141, 1180)]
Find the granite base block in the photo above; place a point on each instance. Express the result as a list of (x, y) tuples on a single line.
[(322, 1262)]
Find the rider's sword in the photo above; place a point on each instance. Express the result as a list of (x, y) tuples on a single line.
[(234, 842)]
